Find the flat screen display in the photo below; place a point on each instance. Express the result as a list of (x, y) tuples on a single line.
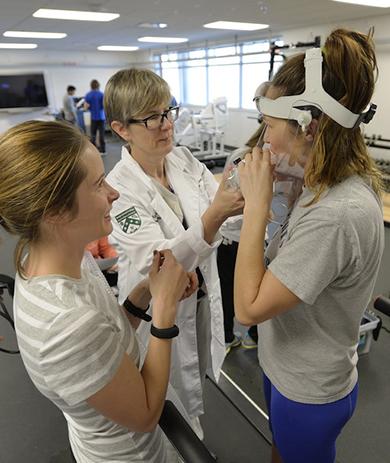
[(22, 91)]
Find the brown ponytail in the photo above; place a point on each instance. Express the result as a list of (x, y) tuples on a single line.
[(40, 171)]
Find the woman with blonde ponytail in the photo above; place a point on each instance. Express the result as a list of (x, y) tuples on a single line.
[(308, 291)]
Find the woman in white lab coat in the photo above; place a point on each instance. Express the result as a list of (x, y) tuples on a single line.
[(169, 200)]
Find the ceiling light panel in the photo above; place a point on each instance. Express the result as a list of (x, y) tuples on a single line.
[(21, 46), (375, 3), (163, 39), (35, 35), (116, 48), (153, 25), (235, 26), (74, 15)]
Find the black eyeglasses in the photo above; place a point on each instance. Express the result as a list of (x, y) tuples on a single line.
[(155, 121)]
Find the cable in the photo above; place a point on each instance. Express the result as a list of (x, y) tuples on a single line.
[(385, 329)]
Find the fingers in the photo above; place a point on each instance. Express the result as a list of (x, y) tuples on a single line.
[(266, 156), (192, 286), (155, 263), (194, 282), (166, 253), (248, 157), (257, 152), (166, 258)]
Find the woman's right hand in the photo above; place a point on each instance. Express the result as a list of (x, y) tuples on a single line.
[(167, 282), (227, 202)]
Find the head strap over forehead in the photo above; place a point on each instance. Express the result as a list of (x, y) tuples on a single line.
[(287, 107)]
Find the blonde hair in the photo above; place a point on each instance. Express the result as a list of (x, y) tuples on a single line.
[(348, 75), (40, 171), (131, 93)]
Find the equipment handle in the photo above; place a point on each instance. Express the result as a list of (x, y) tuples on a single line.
[(182, 437)]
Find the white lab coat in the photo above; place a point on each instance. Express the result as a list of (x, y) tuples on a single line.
[(143, 222)]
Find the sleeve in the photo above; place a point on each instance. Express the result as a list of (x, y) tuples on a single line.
[(315, 255), (80, 354), (137, 233), (74, 110)]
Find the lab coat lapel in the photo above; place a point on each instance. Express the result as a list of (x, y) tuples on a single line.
[(186, 186), (165, 213)]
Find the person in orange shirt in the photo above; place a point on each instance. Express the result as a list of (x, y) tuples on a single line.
[(101, 250)]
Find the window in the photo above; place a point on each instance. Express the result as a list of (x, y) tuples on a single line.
[(171, 73), (224, 79), (195, 77), (255, 71), (198, 76)]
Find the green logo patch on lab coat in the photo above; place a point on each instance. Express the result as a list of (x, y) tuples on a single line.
[(129, 220)]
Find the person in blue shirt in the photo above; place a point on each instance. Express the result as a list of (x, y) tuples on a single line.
[(94, 103)]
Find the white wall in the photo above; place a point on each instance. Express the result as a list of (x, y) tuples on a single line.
[(62, 69)]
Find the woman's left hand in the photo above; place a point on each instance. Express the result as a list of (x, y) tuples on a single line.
[(256, 178)]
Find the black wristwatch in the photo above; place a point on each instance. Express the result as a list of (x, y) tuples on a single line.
[(164, 333), (136, 311)]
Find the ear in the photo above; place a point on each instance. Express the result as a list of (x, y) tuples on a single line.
[(121, 130), (311, 130)]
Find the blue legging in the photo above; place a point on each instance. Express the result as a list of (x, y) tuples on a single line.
[(307, 433)]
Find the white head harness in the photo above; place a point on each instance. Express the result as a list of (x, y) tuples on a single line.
[(286, 107)]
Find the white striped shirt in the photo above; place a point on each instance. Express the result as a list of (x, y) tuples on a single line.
[(72, 336)]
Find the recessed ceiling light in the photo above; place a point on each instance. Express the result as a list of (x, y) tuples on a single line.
[(34, 35), (74, 15), (18, 45), (116, 48), (235, 26), (163, 39), (153, 25), (375, 3)]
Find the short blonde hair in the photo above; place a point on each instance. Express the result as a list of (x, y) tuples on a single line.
[(40, 171), (131, 93)]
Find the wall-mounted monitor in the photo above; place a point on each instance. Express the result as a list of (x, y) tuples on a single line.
[(22, 91)]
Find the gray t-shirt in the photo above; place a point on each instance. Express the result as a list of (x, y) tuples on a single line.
[(69, 108), (328, 255)]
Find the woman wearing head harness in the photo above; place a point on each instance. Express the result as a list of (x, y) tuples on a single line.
[(308, 291)]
